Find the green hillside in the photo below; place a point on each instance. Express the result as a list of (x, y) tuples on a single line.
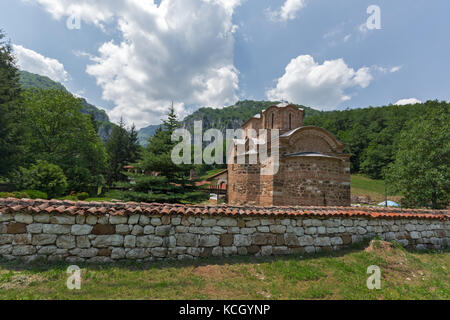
[(231, 117), (30, 80), (146, 133), (373, 189), (371, 133)]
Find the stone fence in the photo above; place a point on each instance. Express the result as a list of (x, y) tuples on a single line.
[(106, 232)]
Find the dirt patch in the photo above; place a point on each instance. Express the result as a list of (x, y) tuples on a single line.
[(210, 271), (379, 246), (18, 280)]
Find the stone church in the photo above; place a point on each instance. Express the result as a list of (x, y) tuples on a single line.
[(313, 169)]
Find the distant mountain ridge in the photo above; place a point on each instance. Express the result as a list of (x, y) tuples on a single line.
[(30, 80), (231, 117)]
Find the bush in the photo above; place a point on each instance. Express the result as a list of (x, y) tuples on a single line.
[(78, 178), (42, 176), (20, 195), (148, 197), (82, 196), (69, 198), (6, 195), (35, 194)]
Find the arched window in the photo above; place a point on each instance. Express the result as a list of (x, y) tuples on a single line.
[(273, 119), (290, 121)]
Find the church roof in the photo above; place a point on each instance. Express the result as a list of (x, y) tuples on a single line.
[(310, 154)]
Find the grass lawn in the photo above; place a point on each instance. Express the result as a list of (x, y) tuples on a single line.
[(210, 173), (404, 275), (375, 189)]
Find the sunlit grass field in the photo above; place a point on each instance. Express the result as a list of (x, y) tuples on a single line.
[(375, 189), (404, 275)]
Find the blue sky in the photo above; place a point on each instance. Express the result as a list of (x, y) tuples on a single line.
[(134, 57)]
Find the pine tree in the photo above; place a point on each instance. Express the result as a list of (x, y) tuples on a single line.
[(134, 148), (172, 123), (157, 156), (171, 185), (123, 149), (117, 149), (11, 131)]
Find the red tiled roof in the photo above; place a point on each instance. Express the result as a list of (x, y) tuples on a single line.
[(217, 174), (11, 205)]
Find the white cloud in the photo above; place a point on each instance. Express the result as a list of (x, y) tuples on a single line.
[(336, 36), (288, 11), (363, 28), (34, 62), (395, 69), (403, 102), (385, 70), (177, 50), (317, 85)]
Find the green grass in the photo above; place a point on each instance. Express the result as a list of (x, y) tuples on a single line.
[(405, 275), (103, 199), (210, 173), (375, 189)]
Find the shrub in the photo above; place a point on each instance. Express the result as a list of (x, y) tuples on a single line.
[(149, 197), (42, 176), (35, 194), (69, 198), (78, 178), (20, 195), (82, 196), (6, 195)]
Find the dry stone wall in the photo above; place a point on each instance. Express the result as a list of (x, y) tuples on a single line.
[(143, 237)]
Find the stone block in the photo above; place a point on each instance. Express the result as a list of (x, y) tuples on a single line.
[(103, 229)]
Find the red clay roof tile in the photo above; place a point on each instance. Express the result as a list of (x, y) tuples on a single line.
[(11, 205)]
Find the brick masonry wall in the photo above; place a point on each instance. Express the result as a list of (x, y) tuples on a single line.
[(300, 181), (310, 181), (143, 237)]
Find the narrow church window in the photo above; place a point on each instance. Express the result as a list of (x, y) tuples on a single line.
[(290, 121), (273, 118)]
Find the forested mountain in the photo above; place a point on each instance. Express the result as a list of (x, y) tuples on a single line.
[(30, 80), (232, 117), (371, 133), (146, 133)]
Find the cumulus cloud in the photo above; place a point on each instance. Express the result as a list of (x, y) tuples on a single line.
[(403, 102), (317, 85), (180, 51), (34, 62), (288, 11)]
